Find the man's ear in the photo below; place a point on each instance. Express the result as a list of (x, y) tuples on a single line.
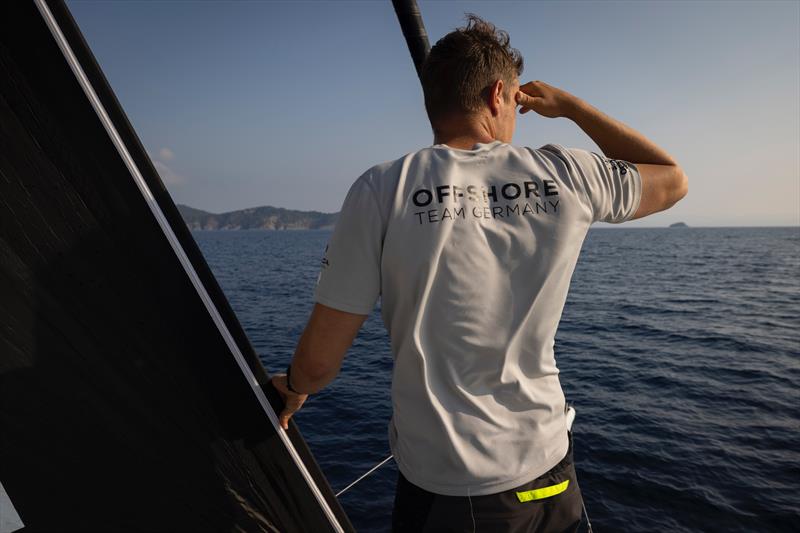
[(496, 97)]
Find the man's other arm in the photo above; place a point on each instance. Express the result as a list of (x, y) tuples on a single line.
[(663, 180), (318, 356), (322, 347)]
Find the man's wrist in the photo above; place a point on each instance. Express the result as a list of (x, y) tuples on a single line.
[(575, 108)]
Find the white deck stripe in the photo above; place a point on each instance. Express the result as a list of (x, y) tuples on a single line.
[(9, 519), (55, 30)]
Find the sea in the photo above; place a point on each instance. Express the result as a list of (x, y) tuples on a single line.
[(678, 347)]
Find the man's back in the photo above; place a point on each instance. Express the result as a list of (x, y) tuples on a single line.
[(471, 244), (476, 249)]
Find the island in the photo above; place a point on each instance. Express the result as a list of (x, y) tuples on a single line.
[(257, 218), (679, 225)]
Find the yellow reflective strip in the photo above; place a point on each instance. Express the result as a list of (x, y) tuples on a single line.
[(544, 492)]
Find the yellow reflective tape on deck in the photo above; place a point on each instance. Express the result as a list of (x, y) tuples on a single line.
[(544, 492)]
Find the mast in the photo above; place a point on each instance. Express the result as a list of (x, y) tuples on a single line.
[(410, 19)]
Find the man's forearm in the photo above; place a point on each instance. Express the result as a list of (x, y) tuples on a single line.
[(614, 138), (322, 347)]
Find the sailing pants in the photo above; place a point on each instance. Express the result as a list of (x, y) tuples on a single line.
[(550, 503)]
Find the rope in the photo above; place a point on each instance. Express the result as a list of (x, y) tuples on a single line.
[(588, 522), (471, 511), (371, 470)]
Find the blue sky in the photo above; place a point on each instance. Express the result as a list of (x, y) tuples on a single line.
[(286, 103)]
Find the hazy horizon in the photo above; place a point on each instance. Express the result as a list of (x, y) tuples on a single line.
[(249, 104), (594, 226)]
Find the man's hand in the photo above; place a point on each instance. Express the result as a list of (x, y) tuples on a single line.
[(546, 100), (292, 401)]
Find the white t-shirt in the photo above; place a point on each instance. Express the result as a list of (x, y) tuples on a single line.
[(472, 252)]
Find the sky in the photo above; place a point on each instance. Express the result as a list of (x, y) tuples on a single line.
[(242, 104)]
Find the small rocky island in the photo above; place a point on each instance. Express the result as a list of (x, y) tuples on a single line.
[(679, 225), (255, 218)]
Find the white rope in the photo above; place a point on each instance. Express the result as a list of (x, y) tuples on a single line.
[(371, 470), (471, 511), (588, 522)]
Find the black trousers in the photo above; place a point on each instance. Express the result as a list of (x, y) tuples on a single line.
[(555, 509)]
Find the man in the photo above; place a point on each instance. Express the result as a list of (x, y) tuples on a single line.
[(471, 244)]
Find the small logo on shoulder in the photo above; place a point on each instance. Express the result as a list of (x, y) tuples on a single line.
[(618, 165), (325, 262)]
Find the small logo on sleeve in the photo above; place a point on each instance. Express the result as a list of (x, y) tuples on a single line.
[(325, 262), (618, 165)]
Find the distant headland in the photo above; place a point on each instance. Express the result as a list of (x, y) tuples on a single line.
[(268, 217), (257, 218)]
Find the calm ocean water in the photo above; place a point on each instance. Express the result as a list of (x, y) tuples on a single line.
[(679, 347)]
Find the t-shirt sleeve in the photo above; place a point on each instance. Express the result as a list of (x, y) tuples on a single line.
[(350, 278), (613, 188)]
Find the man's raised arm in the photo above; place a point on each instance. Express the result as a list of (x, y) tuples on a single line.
[(663, 180)]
